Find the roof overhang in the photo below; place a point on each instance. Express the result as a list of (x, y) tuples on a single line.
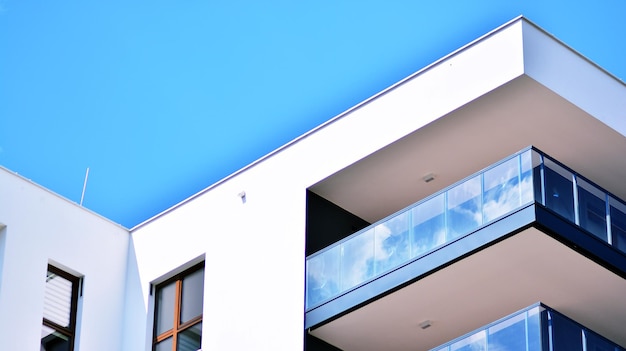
[(561, 103)]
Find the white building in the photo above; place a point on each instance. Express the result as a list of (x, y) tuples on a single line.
[(238, 250)]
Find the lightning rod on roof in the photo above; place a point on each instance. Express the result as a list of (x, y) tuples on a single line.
[(82, 196)]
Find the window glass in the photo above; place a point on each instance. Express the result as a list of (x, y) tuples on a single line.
[(391, 243), (190, 339), (193, 291), (165, 345), (357, 259), (509, 335), (166, 297), (474, 342), (618, 224), (429, 230), (559, 190), (52, 340), (59, 311), (464, 207), (502, 192), (178, 304), (323, 276), (592, 209), (566, 335), (58, 299)]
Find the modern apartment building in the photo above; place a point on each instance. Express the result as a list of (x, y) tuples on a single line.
[(478, 204)]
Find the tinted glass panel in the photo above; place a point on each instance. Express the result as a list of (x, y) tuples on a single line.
[(508, 335), (566, 335), (190, 339), (165, 345), (391, 243), (58, 299), (357, 259), (474, 342), (536, 317), (53, 341), (464, 207), (429, 229), (559, 190), (165, 307), (597, 343), (528, 160), (618, 224), (323, 276), (592, 209), (193, 292), (502, 192)]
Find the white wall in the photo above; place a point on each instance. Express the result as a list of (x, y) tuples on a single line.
[(40, 228), (254, 251)]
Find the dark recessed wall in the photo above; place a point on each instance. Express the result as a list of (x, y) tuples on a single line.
[(327, 223)]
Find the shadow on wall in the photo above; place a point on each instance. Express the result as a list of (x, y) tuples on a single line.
[(135, 313)]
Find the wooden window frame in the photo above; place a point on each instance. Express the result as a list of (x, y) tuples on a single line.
[(69, 331), (178, 327)]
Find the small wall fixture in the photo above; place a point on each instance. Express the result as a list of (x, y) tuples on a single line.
[(428, 178), (242, 195), (426, 324)]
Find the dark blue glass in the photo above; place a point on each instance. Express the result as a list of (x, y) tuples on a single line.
[(618, 225), (592, 209), (559, 190), (566, 335), (595, 342)]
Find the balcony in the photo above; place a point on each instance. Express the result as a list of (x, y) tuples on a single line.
[(535, 328), (423, 234)]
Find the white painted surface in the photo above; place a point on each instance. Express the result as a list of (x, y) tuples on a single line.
[(42, 227)]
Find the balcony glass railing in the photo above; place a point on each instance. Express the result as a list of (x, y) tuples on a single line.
[(536, 328), (526, 177)]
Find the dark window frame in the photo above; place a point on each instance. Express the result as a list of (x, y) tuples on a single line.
[(70, 330), (178, 327)]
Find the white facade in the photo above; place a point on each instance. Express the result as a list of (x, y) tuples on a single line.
[(254, 246)]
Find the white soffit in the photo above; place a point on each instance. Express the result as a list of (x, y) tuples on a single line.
[(509, 117)]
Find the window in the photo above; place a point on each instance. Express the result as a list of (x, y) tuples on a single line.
[(59, 313), (178, 311)]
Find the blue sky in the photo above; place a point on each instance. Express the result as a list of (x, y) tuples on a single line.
[(160, 99)]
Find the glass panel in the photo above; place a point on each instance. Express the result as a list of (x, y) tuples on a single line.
[(566, 335), (534, 322), (559, 190), (474, 342), (58, 300), (618, 224), (501, 189), (429, 229), (165, 302), (595, 342), (527, 162), (357, 259), (193, 292), (190, 339), (592, 209), (165, 345), (391, 242), (323, 276), (464, 207), (52, 340), (508, 335)]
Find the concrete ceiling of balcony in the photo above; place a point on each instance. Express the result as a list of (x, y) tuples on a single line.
[(520, 113), (482, 288)]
